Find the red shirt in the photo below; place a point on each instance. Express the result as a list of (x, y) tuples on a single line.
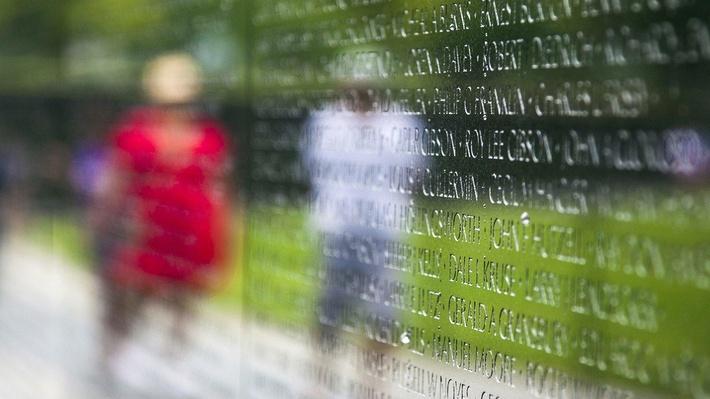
[(177, 216)]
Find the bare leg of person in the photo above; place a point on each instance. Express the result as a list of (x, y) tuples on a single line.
[(180, 303), (114, 327), (122, 307)]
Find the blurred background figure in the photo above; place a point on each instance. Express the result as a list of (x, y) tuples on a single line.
[(88, 165), (13, 182), (159, 210), (4, 183)]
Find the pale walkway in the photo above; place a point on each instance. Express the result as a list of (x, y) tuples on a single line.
[(49, 325)]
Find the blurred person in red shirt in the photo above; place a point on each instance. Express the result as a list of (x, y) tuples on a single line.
[(162, 208)]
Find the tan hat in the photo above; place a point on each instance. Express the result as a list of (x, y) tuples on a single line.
[(173, 78)]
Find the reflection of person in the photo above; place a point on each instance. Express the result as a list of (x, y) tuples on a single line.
[(348, 154), (163, 203)]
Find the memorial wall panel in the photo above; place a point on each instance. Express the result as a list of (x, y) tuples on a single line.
[(479, 199)]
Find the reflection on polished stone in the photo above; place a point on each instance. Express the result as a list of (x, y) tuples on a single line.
[(479, 199)]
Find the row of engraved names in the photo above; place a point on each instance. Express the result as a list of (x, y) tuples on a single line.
[(681, 261), (656, 205), (275, 10), (617, 303), (502, 358), (424, 378), (385, 375), (566, 194), (449, 17), (625, 98), (673, 150), (654, 44)]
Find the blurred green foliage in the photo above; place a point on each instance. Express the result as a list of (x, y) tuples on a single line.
[(102, 44)]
